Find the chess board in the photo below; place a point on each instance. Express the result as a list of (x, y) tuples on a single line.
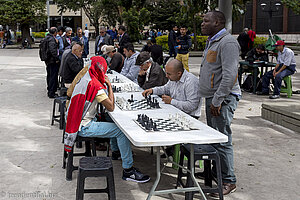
[(164, 125), (136, 105)]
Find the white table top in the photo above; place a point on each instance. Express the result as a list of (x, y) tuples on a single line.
[(142, 138)]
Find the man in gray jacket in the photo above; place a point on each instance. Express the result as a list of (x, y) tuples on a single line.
[(219, 85), (130, 69), (101, 40)]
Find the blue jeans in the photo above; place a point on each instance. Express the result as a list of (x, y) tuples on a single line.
[(277, 81), (222, 123), (110, 130)]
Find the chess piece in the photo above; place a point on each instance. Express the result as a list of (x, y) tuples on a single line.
[(131, 99), (155, 127)]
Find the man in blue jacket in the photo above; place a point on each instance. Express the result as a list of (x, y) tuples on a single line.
[(183, 43), (81, 38)]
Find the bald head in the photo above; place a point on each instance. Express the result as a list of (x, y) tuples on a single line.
[(174, 70), (77, 49)]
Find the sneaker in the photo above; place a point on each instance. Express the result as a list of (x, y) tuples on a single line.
[(274, 96), (135, 175), (116, 155), (227, 189)]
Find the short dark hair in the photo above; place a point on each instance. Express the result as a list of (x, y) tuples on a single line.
[(60, 28), (219, 16), (184, 26), (122, 28), (52, 30), (129, 46), (79, 28), (261, 47)]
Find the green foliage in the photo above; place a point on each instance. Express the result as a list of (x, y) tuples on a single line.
[(293, 4), (163, 41), (38, 34), (260, 40), (135, 21)]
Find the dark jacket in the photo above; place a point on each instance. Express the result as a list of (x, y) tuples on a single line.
[(252, 55), (185, 42), (123, 41), (117, 62), (157, 77), (52, 49), (86, 47), (157, 53), (107, 40), (67, 45), (172, 39), (72, 66)]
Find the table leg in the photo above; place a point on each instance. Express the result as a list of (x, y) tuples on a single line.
[(255, 72), (158, 173)]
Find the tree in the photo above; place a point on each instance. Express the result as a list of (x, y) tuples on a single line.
[(293, 4), (23, 12), (92, 9)]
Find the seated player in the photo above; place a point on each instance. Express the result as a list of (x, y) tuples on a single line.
[(130, 70), (117, 59), (151, 74), (73, 64), (257, 54), (182, 91), (86, 91)]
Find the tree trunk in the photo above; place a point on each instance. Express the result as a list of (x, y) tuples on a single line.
[(195, 34), (25, 32), (96, 25)]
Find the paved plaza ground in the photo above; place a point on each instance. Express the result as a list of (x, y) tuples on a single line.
[(267, 156)]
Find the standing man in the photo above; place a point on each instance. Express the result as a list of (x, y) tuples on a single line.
[(183, 43), (67, 39), (59, 37), (81, 38), (286, 66), (102, 39), (172, 41), (219, 85), (123, 39), (52, 62), (130, 69), (244, 40)]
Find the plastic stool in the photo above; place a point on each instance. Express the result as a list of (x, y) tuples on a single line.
[(208, 154), (61, 101), (68, 156), (95, 167), (288, 89)]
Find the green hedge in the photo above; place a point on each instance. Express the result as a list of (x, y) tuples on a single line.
[(260, 40), (163, 41), (35, 34)]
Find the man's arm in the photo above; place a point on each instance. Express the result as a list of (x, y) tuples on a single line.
[(53, 48), (230, 60), (165, 89), (109, 103), (188, 45), (193, 97)]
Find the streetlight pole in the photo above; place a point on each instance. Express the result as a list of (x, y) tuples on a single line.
[(48, 15), (270, 11)]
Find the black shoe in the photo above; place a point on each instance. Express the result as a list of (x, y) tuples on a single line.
[(116, 155), (275, 96), (135, 175), (261, 93)]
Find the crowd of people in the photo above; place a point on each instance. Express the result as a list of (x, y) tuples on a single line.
[(217, 83)]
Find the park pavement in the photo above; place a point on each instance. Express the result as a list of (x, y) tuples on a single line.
[(267, 161)]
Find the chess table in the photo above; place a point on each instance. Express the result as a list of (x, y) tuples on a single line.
[(139, 137)]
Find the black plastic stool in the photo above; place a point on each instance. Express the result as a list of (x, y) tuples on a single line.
[(95, 167), (68, 156), (61, 101), (202, 152)]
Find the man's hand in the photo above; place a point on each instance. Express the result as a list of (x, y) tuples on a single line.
[(147, 92), (142, 72), (215, 111), (107, 82), (167, 99), (274, 73)]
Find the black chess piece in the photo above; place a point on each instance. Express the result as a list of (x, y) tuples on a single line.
[(131, 99), (139, 118), (155, 127)]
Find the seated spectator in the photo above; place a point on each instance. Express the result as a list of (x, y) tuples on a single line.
[(81, 116), (286, 66), (81, 38), (257, 54), (151, 74), (147, 46), (130, 70), (156, 52), (182, 91), (102, 39), (117, 59), (73, 64)]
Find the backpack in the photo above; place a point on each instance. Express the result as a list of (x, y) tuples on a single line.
[(248, 84), (44, 50)]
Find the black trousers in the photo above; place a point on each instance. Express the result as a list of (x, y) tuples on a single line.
[(52, 78)]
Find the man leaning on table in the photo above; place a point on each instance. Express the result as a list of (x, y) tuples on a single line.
[(181, 91), (219, 85), (86, 91)]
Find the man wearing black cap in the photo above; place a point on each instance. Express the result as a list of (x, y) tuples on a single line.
[(150, 74), (286, 66)]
